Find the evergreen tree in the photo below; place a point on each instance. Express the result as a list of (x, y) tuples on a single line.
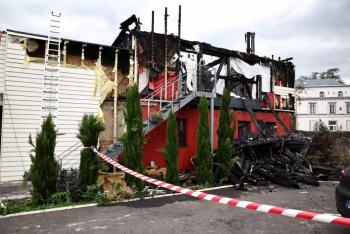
[(44, 168), (204, 170), (133, 139), (171, 151), (89, 130), (225, 131)]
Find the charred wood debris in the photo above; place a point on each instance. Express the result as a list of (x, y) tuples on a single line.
[(282, 161)]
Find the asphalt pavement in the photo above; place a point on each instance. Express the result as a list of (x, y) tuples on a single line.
[(182, 214)]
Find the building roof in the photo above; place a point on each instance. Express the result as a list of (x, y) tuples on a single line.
[(322, 82)]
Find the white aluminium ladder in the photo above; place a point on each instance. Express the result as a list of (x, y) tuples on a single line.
[(52, 69)]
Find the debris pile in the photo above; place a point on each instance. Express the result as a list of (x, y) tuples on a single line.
[(280, 161)]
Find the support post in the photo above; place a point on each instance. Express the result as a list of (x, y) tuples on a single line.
[(152, 40), (166, 54), (115, 109), (178, 63)]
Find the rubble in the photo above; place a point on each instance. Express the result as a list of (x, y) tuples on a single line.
[(279, 161)]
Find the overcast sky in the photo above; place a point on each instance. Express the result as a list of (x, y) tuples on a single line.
[(315, 33)]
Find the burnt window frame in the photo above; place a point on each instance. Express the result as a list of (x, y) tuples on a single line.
[(182, 131)]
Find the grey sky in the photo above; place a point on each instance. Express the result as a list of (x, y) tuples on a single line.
[(316, 33)]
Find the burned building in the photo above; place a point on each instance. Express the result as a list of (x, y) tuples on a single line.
[(173, 73)]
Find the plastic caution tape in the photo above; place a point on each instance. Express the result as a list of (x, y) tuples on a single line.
[(324, 218)]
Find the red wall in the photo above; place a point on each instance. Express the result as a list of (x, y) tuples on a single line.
[(156, 139)]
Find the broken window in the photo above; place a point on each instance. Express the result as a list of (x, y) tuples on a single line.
[(35, 48), (348, 108), (321, 94), (340, 94), (182, 130), (73, 56)]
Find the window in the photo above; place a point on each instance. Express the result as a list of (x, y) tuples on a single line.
[(312, 108), (321, 94), (348, 108), (182, 131), (332, 125), (340, 94), (331, 108)]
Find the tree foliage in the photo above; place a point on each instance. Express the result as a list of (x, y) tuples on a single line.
[(89, 129), (171, 151), (204, 170), (133, 139), (225, 150), (331, 73), (44, 168)]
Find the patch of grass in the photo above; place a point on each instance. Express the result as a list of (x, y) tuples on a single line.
[(18, 206)]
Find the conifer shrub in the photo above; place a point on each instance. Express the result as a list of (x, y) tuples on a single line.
[(171, 151), (225, 132), (204, 170), (89, 129), (44, 168), (133, 139)]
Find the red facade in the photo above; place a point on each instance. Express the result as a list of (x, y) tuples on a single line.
[(156, 139)]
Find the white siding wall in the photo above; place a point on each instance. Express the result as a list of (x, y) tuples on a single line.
[(22, 110), (2, 61)]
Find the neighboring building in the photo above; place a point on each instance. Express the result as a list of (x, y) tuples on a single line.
[(21, 87), (323, 99)]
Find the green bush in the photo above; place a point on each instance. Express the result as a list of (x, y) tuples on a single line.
[(89, 130), (225, 150), (133, 139), (60, 198), (171, 151), (204, 170), (44, 168), (91, 192)]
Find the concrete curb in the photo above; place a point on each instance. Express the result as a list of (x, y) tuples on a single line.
[(112, 203)]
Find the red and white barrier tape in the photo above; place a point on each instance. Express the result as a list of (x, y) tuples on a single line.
[(325, 218)]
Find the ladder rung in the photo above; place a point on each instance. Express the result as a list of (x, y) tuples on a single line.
[(49, 108), (53, 50), (47, 91), (45, 116), (52, 55), (54, 79), (55, 26), (50, 99), (56, 21), (55, 32), (52, 69)]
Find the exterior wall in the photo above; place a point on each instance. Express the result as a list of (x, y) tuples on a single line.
[(156, 139), (306, 120), (22, 110), (2, 60)]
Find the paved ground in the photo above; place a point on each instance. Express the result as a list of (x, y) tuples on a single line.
[(181, 214), (14, 190)]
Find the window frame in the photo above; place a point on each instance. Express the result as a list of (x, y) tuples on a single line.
[(332, 127), (312, 108), (332, 106)]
